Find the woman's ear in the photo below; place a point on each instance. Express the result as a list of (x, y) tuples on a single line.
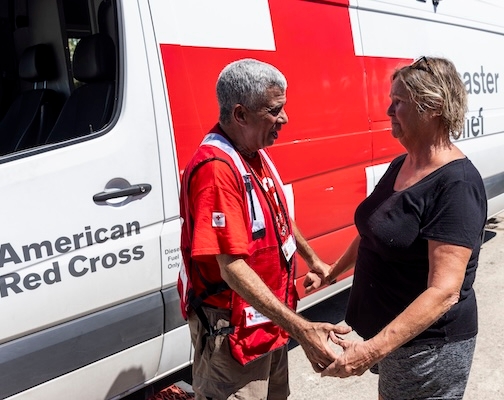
[(438, 112)]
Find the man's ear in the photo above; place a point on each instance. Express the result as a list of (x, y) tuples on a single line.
[(240, 114)]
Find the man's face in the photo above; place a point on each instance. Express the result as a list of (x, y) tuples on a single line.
[(264, 124)]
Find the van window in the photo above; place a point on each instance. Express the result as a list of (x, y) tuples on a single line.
[(58, 74)]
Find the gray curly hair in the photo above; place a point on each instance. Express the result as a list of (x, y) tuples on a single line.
[(246, 82)]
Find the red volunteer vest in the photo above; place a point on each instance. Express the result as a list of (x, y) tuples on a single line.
[(254, 334)]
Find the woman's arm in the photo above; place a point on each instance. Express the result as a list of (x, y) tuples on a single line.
[(320, 276), (447, 267), (345, 262)]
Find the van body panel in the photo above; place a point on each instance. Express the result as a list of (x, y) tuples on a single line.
[(47, 354), (90, 245), (112, 377)]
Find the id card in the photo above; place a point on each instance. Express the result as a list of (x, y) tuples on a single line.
[(289, 248)]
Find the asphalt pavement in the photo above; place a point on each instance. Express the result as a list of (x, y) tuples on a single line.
[(486, 380)]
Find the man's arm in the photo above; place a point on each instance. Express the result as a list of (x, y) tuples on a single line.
[(303, 248), (312, 336)]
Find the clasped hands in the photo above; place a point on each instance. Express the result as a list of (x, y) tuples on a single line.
[(356, 357)]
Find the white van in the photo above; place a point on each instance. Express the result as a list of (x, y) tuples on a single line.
[(102, 103)]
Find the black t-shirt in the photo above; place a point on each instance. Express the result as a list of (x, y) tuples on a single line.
[(449, 205)]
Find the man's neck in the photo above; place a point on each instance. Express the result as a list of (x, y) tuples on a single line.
[(246, 153), (233, 138)]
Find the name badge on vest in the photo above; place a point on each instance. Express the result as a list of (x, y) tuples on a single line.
[(254, 317), (289, 248)]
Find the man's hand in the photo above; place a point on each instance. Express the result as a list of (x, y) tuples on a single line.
[(317, 277), (356, 358), (312, 281), (313, 338)]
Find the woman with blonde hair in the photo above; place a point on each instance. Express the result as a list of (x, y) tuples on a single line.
[(417, 248)]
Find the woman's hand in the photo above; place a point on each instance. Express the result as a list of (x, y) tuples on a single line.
[(357, 357), (313, 338)]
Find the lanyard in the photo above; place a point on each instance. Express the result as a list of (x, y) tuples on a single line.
[(279, 214), (275, 204)]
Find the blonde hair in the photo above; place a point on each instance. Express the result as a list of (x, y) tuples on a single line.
[(434, 84)]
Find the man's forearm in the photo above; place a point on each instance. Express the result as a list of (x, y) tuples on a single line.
[(303, 248), (312, 336), (244, 281)]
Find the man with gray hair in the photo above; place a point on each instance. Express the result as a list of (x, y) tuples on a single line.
[(238, 242)]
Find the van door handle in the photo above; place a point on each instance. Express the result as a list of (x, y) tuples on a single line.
[(140, 189)]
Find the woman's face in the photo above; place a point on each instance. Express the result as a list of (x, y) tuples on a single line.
[(403, 113)]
